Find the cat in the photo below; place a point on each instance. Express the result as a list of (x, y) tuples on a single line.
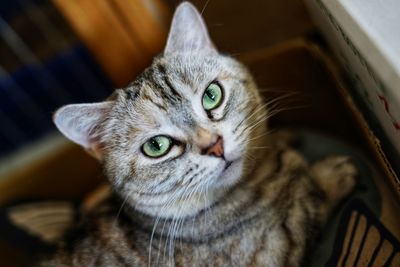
[(181, 148)]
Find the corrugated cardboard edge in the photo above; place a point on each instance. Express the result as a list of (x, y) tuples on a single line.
[(362, 124), (372, 72)]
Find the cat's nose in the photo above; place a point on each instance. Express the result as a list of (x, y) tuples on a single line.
[(215, 149)]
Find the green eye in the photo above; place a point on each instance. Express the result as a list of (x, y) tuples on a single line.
[(212, 97), (157, 146)]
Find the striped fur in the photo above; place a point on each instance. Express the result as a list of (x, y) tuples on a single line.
[(257, 206)]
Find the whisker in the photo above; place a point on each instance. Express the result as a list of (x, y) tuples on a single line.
[(260, 147), (122, 206), (204, 7)]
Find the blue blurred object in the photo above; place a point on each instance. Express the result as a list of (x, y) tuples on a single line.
[(42, 66)]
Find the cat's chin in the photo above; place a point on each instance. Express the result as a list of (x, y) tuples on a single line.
[(185, 208), (230, 174)]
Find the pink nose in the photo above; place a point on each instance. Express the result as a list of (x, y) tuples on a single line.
[(216, 149)]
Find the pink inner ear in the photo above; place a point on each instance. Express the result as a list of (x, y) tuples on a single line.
[(188, 32)]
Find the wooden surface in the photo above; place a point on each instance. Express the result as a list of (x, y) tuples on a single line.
[(67, 173), (122, 35), (237, 26)]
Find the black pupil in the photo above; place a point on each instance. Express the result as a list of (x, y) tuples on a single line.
[(210, 95), (156, 145)]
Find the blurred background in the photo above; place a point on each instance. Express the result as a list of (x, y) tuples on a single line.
[(51, 55)]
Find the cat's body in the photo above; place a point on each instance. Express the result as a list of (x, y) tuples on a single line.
[(199, 180), (267, 220)]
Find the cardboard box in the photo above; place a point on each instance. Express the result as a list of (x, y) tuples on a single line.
[(365, 36)]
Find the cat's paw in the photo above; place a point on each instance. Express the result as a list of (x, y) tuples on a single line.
[(335, 175)]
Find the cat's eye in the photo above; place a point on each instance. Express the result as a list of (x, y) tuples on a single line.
[(157, 146), (212, 96)]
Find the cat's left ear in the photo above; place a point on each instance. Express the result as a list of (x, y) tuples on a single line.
[(81, 123), (188, 32)]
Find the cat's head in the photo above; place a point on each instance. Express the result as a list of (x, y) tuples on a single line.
[(182, 132)]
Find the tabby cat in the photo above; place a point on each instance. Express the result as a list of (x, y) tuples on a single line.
[(182, 148)]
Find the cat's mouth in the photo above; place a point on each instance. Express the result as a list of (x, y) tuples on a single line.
[(229, 173), (227, 165)]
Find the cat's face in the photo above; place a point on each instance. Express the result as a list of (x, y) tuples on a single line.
[(177, 137), (167, 138)]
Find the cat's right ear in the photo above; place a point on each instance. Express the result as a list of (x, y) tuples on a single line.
[(80, 123), (188, 32)]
